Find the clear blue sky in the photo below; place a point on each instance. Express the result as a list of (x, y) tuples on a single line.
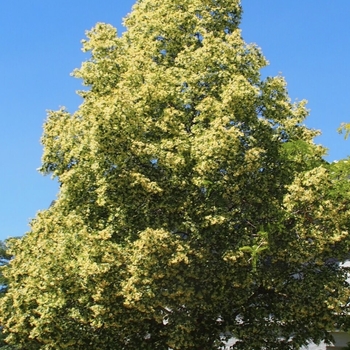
[(307, 41)]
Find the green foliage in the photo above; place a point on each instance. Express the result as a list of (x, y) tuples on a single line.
[(344, 128), (4, 260), (5, 257), (194, 205)]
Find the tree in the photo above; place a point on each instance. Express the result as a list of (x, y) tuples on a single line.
[(194, 204), (4, 260)]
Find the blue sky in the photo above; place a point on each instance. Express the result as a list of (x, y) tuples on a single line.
[(308, 42)]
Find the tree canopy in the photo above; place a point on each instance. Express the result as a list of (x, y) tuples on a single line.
[(194, 204), (5, 258)]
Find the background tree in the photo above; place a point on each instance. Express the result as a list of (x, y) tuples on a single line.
[(194, 205)]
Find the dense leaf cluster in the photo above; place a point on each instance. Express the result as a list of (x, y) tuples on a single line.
[(194, 204)]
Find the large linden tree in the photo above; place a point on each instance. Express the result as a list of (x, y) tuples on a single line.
[(194, 205)]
